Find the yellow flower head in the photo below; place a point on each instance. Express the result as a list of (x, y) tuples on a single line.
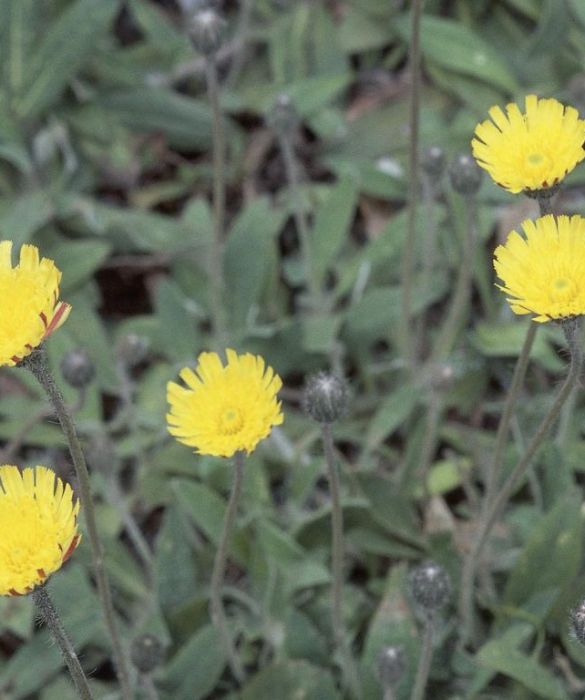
[(530, 151), (224, 410), (30, 309), (38, 522), (544, 270)]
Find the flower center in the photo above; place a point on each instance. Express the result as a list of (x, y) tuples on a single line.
[(561, 288), (230, 421)]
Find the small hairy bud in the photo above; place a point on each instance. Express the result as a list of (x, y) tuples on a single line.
[(77, 368), (283, 117), (433, 161), (133, 349), (206, 31), (147, 652), (577, 622), (465, 174), (391, 666), (326, 397), (430, 586)]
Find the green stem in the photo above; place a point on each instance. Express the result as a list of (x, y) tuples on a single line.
[(430, 440), (460, 300), (493, 509), (339, 632), (424, 663), (51, 617), (407, 271), (216, 269), (218, 615), (292, 176), (37, 363)]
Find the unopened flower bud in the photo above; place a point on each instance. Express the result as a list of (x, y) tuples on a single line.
[(391, 666), (430, 586), (442, 376), (283, 117), (465, 174), (133, 349), (326, 397), (206, 31), (147, 653), (77, 368), (577, 623), (433, 161)]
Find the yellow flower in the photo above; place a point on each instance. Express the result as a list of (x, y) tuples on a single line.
[(544, 271), (530, 151), (30, 309), (38, 522), (224, 410)]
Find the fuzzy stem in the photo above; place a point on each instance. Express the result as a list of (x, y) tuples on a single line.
[(53, 621), (407, 270), (424, 663), (216, 269), (339, 632), (460, 298), (493, 509), (292, 176), (37, 363), (218, 615)]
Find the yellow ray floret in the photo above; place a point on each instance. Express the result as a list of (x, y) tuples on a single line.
[(224, 409), (30, 309), (533, 150), (543, 272), (38, 522)]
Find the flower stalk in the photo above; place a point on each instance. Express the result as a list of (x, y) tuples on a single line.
[(407, 269), (339, 632), (495, 507), (51, 617), (37, 363), (218, 615), (424, 662), (216, 268)]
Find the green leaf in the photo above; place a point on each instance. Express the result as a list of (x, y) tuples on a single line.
[(22, 216), (391, 414), (195, 670), (551, 557), (66, 46), (184, 121), (468, 53), (77, 260), (172, 314), (176, 581), (291, 680), (502, 656), (249, 255), (332, 224)]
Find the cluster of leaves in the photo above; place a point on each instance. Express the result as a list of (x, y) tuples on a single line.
[(105, 138)]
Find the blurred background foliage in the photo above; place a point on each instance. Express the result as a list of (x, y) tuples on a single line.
[(105, 164)]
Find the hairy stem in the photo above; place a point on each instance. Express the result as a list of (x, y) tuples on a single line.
[(292, 175), (216, 270), (407, 271), (53, 621), (493, 509), (218, 615), (339, 632), (37, 363), (424, 662)]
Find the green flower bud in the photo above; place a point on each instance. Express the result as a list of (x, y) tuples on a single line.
[(465, 174), (430, 586), (147, 653), (326, 397), (391, 666), (77, 368), (283, 117), (433, 162), (206, 31)]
